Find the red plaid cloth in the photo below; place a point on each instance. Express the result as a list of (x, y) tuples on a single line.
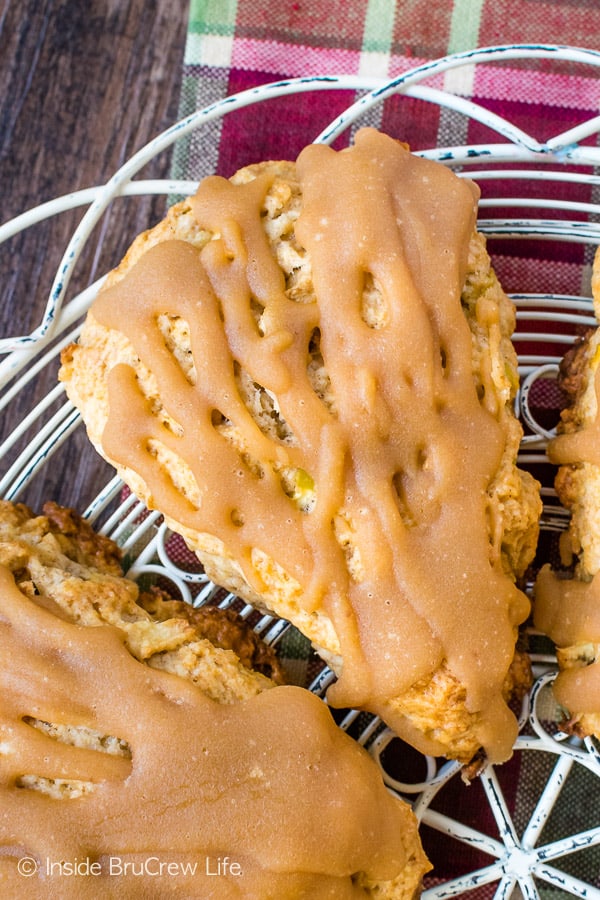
[(234, 46)]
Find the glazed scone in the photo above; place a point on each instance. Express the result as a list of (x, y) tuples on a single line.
[(567, 605), (129, 741), (313, 368)]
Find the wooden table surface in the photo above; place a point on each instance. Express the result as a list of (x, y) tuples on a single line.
[(84, 86)]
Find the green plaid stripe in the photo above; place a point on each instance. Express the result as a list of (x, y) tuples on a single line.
[(379, 26), (464, 25), (212, 16)]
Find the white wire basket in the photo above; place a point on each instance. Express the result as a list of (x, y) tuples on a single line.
[(519, 847)]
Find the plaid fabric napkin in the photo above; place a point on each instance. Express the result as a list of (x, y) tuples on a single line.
[(233, 46)]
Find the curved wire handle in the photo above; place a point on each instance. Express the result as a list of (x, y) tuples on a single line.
[(100, 197), (473, 57), (520, 145)]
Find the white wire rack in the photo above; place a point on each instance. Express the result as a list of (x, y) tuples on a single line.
[(516, 850)]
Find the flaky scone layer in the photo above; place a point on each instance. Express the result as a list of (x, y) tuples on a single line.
[(81, 579)]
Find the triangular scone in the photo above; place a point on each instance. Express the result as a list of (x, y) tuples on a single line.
[(308, 369), (189, 774)]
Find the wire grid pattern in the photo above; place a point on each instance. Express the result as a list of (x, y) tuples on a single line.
[(521, 855)]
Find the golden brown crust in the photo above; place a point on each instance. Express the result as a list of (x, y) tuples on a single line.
[(572, 375), (224, 628), (94, 549)]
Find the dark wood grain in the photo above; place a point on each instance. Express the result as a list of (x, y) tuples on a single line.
[(84, 86)]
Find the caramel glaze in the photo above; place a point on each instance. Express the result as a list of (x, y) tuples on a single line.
[(270, 782), (568, 610), (409, 452)]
